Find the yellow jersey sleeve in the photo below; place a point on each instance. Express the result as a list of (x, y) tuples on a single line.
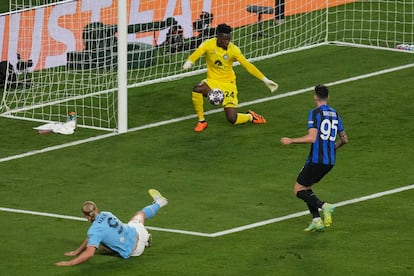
[(250, 67), (220, 61)]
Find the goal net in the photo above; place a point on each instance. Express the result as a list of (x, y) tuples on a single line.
[(62, 56)]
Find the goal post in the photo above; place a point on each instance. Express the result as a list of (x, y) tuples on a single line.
[(85, 55), (122, 67), (60, 69)]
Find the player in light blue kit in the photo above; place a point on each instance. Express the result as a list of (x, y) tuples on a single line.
[(111, 234)]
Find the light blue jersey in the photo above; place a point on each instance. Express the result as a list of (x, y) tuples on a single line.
[(109, 231)]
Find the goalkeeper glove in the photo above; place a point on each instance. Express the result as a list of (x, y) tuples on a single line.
[(187, 65), (270, 84)]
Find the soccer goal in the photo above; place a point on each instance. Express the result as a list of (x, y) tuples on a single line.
[(83, 55)]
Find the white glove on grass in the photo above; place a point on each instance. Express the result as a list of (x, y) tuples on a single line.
[(270, 84)]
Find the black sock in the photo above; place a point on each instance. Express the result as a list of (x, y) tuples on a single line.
[(310, 198), (314, 211)]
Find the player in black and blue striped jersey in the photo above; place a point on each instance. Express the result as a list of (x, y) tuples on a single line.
[(324, 126)]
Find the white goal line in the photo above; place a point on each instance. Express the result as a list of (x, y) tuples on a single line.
[(183, 118), (228, 231)]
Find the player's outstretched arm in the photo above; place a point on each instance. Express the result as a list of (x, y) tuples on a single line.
[(307, 139), (88, 253), (78, 250), (254, 71), (200, 51)]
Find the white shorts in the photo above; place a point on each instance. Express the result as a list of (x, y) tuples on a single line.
[(143, 237)]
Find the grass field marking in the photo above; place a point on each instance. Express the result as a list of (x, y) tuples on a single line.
[(34, 213), (351, 79), (43, 214), (233, 230), (364, 198), (184, 232), (299, 214), (259, 224), (183, 118), (74, 143)]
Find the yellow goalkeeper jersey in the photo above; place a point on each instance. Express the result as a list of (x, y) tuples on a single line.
[(220, 61)]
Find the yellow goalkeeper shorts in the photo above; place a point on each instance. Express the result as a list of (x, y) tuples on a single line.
[(229, 89)]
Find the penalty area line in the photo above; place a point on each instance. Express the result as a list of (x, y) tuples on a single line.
[(44, 214), (34, 213), (299, 214), (229, 231)]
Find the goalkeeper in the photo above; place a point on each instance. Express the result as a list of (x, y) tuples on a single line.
[(110, 234), (220, 55)]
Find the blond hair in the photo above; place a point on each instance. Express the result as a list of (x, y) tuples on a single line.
[(89, 210)]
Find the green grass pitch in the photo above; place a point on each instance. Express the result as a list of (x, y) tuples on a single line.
[(226, 177)]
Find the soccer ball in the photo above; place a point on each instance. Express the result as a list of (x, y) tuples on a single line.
[(215, 96)]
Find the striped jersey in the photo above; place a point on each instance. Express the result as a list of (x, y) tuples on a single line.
[(328, 123)]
